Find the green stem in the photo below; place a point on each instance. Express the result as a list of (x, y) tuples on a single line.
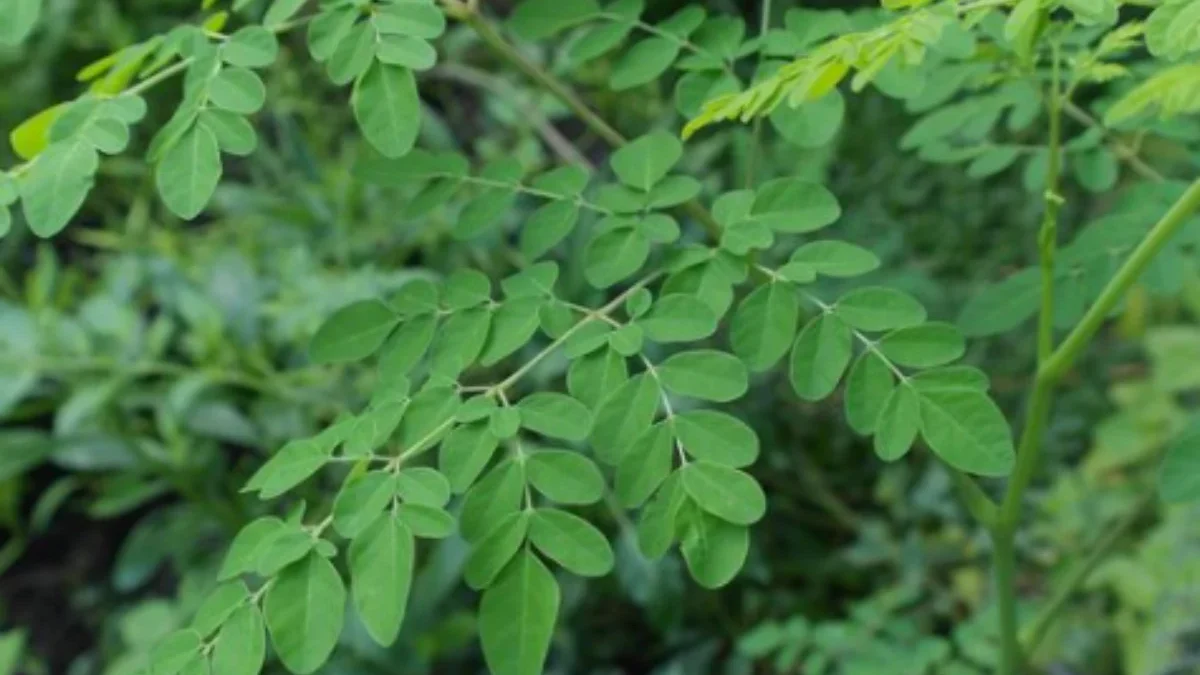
[(978, 503), (1004, 552), (1046, 618), (764, 24)]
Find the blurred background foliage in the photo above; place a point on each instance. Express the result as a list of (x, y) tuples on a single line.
[(147, 366)]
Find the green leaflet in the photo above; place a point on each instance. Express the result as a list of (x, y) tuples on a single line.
[(218, 606), (704, 374), (591, 378), (465, 452), (426, 522), (923, 346), (516, 617), (361, 500), (57, 184), (624, 415), (571, 541), (353, 332), (1179, 479), (819, 357), (645, 161), (793, 205), (251, 47), (644, 61), (513, 326), (868, 386), (555, 415), (764, 324), (615, 255), (966, 429), (645, 465), (835, 258), (188, 173), (241, 646), (237, 90), (492, 499), (565, 477), (381, 570), (538, 19), (714, 549), (491, 554), (247, 546), (898, 423), (657, 528), (878, 308), (678, 318), (727, 493), (304, 611), (20, 18), (388, 108), (716, 437), (423, 485), (460, 341), (1002, 306), (289, 467), (174, 653)]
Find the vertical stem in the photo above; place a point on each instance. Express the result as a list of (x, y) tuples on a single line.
[(1004, 530), (1005, 566)]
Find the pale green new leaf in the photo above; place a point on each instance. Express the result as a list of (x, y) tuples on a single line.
[(305, 609)]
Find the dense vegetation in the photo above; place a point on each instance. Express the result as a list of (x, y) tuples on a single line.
[(402, 336)]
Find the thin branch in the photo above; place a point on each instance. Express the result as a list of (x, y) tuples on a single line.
[(1078, 576), (551, 136), (1123, 150)]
